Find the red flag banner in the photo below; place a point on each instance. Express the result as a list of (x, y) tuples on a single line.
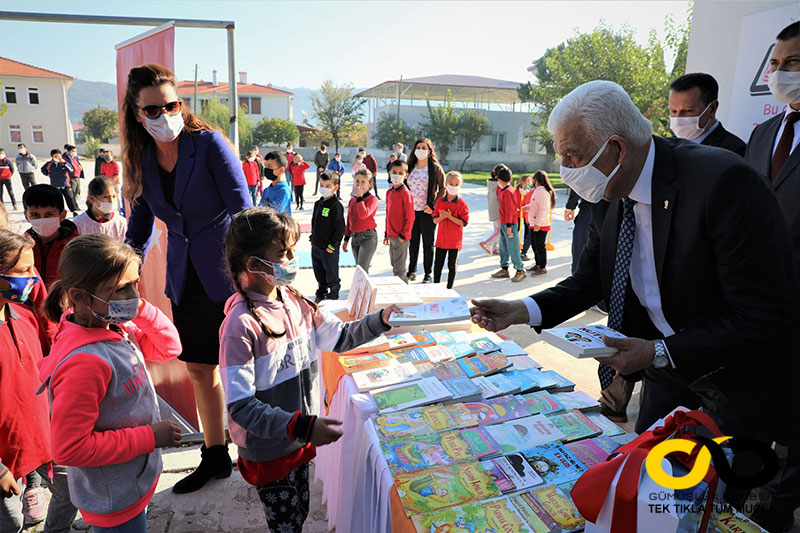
[(170, 378)]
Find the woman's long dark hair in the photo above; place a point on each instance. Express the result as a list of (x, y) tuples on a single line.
[(412, 157), (251, 232), (540, 178), (134, 137)]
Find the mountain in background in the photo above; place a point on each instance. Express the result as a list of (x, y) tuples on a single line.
[(84, 95)]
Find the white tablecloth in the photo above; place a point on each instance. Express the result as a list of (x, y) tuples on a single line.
[(357, 482)]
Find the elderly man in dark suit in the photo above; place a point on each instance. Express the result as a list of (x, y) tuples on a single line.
[(697, 287), (693, 106)]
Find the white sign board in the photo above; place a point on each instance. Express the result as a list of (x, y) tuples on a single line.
[(751, 101)]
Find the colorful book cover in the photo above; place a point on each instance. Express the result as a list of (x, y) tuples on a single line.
[(476, 365), (505, 385), (610, 429), (588, 452), (479, 443), (409, 455), (734, 522), (575, 425), (559, 506), (484, 413), (421, 392), (525, 379), (462, 389), (401, 341), (460, 415), (442, 337), (523, 362), (498, 361), (488, 516), (461, 349), (355, 363), (444, 486), (554, 463), (438, 354), (512, 473), (576, 400), (510, 407), (562, 383), (524, 433), (392, 374), (582, 341), (511, 349), (543, 402), (400, 424), (488, 389), (423, 339), (533, 514), (442, 371), (608, 444), (484, 345), (416, 356), (450, 310)]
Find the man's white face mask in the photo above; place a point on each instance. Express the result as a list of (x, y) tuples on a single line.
[(587, 181), (687, 127)]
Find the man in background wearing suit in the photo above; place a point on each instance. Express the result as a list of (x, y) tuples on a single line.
[(704, 295), (693, 107)]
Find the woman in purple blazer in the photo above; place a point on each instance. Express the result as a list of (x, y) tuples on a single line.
[(179, 169)]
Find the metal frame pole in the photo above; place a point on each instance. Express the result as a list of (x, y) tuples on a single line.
[(233, 89)]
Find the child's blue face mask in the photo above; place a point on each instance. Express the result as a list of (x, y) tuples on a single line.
[(20, 288), (283, 273)]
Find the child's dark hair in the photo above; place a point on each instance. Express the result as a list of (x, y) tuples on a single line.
[(399, 163), (330, 175), (11, 247), (540, 178), (366, 173), (98, 187), (502, 172), (43, 195), (87, 261), (251, 232), (55, 151), (280, 157)]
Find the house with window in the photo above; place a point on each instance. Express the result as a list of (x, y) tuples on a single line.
[(511, 140), (260, 101), (37, 113)]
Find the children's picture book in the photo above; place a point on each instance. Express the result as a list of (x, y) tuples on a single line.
[(558, 505), (542, 402), (526, 380), (483, 413), (524, 433), (487, 516), (484, 345), (440, 418), (575, 425), (545, 380), (512, 349), (460, 415), (438, 354), (554, 463), (356, 363), (400, 424), (442, 371), (533, 514), (512, 473), (562, 383), (450, 310), (442, 338), (608, 444), (588, 452), (431, 489), (409, 455), (582, 341), (401, 341), (421, 392), (462, 389), (523, 362), (424, 339), (392, 374), (576, 400), (461, 349), (510, 407), (476, 442), (488, 389), (610, 429), (483, 364), (733, 521), (505, 385)]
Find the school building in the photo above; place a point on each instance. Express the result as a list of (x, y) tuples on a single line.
[(261, 101), (511, 140), (36, 108)]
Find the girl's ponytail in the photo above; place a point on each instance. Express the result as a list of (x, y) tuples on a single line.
[(56, 302)]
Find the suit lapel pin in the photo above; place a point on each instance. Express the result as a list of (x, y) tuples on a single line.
[(666, 204)]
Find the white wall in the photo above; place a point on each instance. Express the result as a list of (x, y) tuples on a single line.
[(51, 114), (729, 40)]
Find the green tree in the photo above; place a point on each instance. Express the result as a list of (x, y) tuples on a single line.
[(388, 132), (3, 106), (101, 122), (606, 54), (276, 131), (246, 132), (216, 113), (472, 125), (91, 146), (441, 125), (336, 108)]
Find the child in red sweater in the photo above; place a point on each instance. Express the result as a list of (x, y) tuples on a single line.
[(451, 213), (361, 220), (298, 170), (24, 417), (399, 218), (253, 176), (509, 225)]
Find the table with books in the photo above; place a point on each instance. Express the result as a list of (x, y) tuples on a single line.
[(452, 428)]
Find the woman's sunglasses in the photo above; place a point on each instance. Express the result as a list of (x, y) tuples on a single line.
[(155, 111)]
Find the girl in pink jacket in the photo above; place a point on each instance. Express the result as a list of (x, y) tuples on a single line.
[(542, 201), (105, 424)]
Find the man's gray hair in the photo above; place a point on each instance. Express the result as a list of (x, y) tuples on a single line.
[(604, 109)]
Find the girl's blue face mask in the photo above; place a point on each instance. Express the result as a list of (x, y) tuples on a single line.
[(283, 273), (20, 288), (119, 311)]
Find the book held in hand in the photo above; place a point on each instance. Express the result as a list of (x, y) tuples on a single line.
[(582, 341), (451, 310)]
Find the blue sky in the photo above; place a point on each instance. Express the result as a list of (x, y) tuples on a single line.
[(300, 44)]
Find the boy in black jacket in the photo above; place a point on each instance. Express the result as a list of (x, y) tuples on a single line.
[(327, 230)]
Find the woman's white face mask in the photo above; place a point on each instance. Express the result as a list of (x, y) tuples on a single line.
[(587, 181)]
